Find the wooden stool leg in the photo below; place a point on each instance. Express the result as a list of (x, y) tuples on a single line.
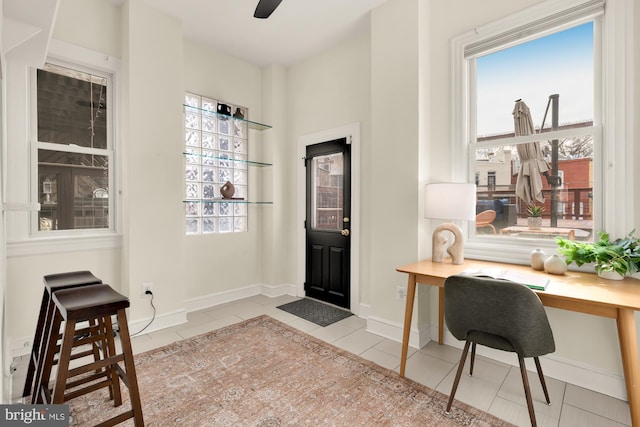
[(46, 359), (109, 350), (36, 345), (49, 332), (130, 367), (63, 362)]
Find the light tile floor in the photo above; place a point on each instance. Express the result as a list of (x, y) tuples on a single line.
[(495, 387)]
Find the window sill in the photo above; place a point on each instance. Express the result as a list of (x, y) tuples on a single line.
[(58, 244), (504, 249)]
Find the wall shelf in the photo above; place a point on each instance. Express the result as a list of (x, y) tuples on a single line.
[(226, 159), (218, 200), (250, 124)]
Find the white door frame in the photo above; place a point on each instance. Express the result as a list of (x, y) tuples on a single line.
[(352, 133)]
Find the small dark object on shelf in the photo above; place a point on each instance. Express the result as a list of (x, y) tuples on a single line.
[(227, 190), (224, 109), (238, 114)]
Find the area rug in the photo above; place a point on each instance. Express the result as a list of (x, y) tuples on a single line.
[(314, 311), (261, 372)]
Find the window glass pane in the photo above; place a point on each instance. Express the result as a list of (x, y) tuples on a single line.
[(71, 107), (327, 200), (556, 175), (497, 169), (560, 63), (73, 190)]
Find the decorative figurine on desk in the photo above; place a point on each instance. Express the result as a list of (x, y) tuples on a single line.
[(449, 201), (456, 250)]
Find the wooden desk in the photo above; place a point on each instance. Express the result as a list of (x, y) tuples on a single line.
[(574, 291), (547, 231)]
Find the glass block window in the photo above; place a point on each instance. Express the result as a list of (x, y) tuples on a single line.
[(215, 154)]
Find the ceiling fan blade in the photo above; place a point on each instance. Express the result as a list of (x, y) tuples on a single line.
[(265, 8)]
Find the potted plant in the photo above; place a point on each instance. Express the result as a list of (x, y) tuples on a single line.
[(534, 221), (611, 259)]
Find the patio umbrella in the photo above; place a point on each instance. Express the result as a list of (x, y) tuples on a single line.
[(532, 162)]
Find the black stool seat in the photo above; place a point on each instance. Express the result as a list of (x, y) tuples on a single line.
[(52, 283), (93, 303), (88, 302), (71, 279)]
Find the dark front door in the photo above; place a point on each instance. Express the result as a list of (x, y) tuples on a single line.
[(327, 222)]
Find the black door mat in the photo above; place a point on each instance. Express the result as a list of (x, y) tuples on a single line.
[(314, 311)]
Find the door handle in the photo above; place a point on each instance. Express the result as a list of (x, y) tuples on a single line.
[(345, 232)]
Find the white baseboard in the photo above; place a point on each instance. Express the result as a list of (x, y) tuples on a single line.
[(163, 321), (211, 300), (22, 346), (569, 371), (418, 337)]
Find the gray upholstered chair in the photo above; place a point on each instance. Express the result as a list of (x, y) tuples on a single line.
[(500, 314)]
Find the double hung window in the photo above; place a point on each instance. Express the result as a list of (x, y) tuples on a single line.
[(72, 155), (551, 60)]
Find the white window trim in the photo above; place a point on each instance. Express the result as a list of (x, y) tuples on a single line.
[(21, 241), (616, 150)]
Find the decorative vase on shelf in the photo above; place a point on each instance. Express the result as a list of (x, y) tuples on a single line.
[(238, 114), (227, 190), (537, 259), (610, 275), (555, 265)]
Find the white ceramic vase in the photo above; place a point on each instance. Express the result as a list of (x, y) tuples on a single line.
[(610, 275), (537, 259), (555, 265)]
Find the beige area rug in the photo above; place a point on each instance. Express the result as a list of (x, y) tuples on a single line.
[(261, 372)]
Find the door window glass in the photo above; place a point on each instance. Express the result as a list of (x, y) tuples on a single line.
[(327, 195)]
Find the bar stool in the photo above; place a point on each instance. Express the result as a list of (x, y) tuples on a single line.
[(98, 303), (52, 283)]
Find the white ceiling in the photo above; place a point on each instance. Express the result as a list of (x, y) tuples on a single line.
[(296, 30)]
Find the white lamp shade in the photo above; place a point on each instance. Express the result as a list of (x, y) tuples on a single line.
[(450, 200)]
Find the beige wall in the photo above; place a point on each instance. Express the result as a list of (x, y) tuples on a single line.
[(222, 262), (94, 24), (326, 92), (152, 143)]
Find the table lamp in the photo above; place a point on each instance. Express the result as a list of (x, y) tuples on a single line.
[(450, 201)]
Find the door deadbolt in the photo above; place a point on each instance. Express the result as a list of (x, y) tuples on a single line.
[(345, 219)]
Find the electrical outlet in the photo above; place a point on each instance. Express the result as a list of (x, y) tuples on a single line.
[(401, 291), (147, 287)]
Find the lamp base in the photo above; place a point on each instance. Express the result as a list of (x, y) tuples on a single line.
[(456, 249)]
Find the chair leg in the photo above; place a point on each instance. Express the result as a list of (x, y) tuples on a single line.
[(527, 391), (463, 358), (473, 359), (542, 381)]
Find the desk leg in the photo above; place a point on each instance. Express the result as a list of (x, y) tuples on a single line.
[(440, 315), (408, 312), (629, 352)]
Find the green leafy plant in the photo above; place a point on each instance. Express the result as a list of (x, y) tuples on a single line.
[(535, 211), (621, 256)]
